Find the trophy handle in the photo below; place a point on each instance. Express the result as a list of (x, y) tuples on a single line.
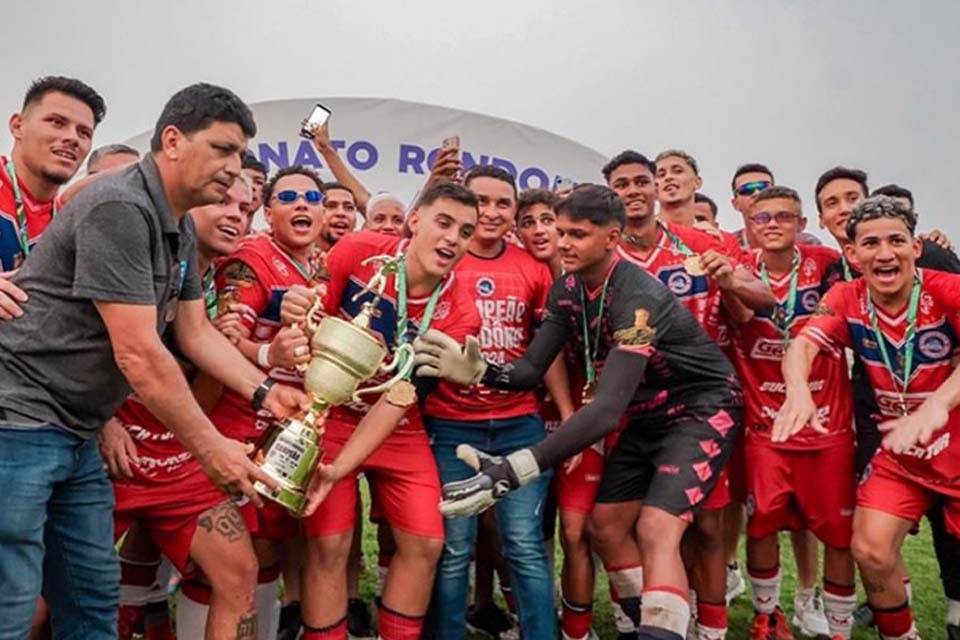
[(312, 324), (402, 362)]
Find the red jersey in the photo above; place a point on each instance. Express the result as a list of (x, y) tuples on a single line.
[(163, 459), (455, 313), (510, 294), (37, 215), (696, 292), (843, 320), (759, 347), (256, 277)]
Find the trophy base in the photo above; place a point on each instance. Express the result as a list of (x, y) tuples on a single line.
[(291, 499)]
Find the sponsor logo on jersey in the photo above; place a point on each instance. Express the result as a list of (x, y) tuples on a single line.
[(934, 344), (280, 267), (767, 349), (485, 287), (810, 299)]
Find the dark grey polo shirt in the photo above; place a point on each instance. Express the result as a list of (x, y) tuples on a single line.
[(115, 242)]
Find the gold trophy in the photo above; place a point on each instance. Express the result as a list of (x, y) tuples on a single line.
[(344, 354)]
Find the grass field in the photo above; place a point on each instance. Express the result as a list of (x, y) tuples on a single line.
[(928, 600)]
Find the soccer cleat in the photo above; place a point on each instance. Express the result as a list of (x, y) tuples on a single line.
[(809, 617), (760, 627), (491, 620), (359, 623), (736, 585), (779, 628)]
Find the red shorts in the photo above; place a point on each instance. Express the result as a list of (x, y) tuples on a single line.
[(273, 522), (886, 487), (169, 513), (801, 490), (577, 490), (402, 475), (719, 498)]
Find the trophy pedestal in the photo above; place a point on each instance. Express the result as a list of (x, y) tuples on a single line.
[(289, 454)]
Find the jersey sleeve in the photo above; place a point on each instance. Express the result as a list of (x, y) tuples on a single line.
[(640, 318), (237, 283), (828, 327), (543, 284), (946, 288)]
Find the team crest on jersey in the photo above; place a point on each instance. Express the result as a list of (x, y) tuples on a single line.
[(934, 344), (442, 310), (570, 282), (809, 267), (810, 299), (679, 283), (926, 303), (641, 333), (280, 267), (485, 287)]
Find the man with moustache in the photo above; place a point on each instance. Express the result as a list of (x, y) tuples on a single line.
[(117, 273)]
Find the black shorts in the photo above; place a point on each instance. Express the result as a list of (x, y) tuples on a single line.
[(671, 462)]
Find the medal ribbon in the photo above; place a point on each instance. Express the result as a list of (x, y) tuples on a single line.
[(784, 315), (909, 334), (677, 242), (590, 350), (403, 321), (209, 293), (847, 274), (21, 212)]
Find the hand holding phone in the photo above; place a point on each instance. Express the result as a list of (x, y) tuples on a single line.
[(317, 118)]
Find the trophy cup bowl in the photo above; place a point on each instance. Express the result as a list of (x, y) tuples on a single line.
[(345, 354)]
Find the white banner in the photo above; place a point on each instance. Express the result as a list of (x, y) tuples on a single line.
[(390, 144)]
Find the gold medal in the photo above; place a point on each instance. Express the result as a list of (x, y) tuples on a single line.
[(692, 266), (588, 391), (402, 394)]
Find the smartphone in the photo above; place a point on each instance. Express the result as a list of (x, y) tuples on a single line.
[(317, 118)]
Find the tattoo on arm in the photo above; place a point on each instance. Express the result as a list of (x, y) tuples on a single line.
[(225, 520), (247, 626)]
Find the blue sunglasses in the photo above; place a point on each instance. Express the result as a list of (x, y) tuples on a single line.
[(289, 196)]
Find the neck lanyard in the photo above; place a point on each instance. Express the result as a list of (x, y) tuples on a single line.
[(21, 212), (209, 293), (677, 242), (304, 271), (847, 274), (783, 316), (403, 321), (907, 360), (590, 349)]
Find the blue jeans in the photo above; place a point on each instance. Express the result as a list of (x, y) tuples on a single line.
[(519, 522), (56, 529)]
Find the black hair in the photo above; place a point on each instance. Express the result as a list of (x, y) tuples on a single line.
[(327, 186), (778, 192), (532, 197), (490, 171), (880, 207), (450, 191), (627, 157), (840, 173), (196, 107), (294, 169), (894, 191), (702, 197), (109, 150), (750, 167), (71, 87), (596, 203), (250, 162)]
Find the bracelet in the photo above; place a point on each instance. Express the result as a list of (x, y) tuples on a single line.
[(263, 356), (261, 393)]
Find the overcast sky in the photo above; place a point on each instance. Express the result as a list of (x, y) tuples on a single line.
[(799, 85)]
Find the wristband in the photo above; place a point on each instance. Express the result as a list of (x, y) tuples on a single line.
[(261, 393), (263, 356)]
